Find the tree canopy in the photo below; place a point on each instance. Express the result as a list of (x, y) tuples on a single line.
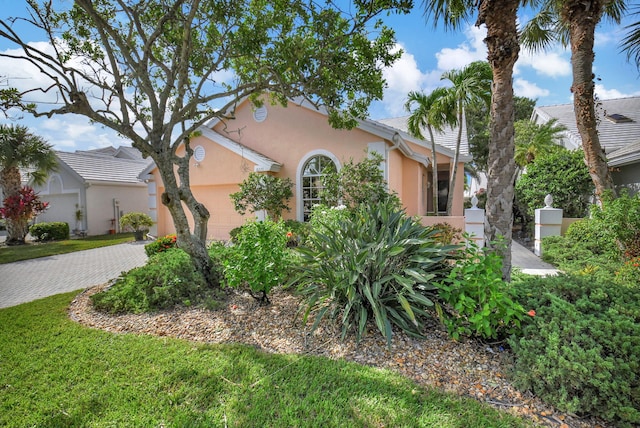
[(156, 70)]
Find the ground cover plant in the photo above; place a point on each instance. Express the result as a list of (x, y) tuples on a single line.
[(10, 254), (167, 280), (59, 373), (581, 353)]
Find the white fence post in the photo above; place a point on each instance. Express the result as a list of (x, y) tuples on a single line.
[(548, 223), (474, 222)]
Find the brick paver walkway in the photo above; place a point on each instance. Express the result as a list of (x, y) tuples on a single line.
[(29, 280)]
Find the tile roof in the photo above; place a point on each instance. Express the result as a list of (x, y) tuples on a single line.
[(613, 136), (447, 138), (625, 156), (100, 166), (122, 152)]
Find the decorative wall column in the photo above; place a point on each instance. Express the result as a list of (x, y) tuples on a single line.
[(474, 222), (548, 223)]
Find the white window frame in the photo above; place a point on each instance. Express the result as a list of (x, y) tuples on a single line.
[(300, 170)]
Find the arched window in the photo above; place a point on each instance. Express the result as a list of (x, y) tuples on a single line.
[(311, 175)]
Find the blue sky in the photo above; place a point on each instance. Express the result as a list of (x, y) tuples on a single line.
[(428, 52)]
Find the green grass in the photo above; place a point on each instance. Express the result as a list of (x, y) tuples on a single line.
[(57, 373), (35, 250)]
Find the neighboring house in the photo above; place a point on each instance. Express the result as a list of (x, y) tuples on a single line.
[(101, 184), (297, 142), (619, 132)]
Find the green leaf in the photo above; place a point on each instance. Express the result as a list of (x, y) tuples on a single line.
[(394, 251), (407, 308)]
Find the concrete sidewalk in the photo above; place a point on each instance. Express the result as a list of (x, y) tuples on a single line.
[(29, 280), (528, 262)]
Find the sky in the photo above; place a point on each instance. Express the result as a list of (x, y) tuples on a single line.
[(427, 53)]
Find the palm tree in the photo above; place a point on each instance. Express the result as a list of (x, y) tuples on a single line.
[(533, 139), (574, 22), (499, 16), (21, 149), (431, 113), (631, 42), (471, 84)]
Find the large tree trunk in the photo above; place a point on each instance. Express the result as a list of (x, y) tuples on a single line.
[(582, 18), (10, 182), (502, 42), (176, 197)]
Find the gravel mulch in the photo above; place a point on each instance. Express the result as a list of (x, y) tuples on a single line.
[(466, 368)]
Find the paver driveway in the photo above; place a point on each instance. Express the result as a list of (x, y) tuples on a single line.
[(29, 280)]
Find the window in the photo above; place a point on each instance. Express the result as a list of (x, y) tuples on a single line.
[(313, 170), (618, 118)]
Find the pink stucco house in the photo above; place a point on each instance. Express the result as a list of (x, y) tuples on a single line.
[(297, 142)]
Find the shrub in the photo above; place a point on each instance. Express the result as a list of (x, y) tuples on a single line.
[(168, 279), (475, 299), (324, 218), (582, 352), (562, 174), (356, 184), (54, 231), (258, 258), (136, 222), (595, 238), (161, 244), (297, 232), (18, 210), (378, 264), (621, 218), (576, 257), (263, 192), (629, 273), (447, 234)]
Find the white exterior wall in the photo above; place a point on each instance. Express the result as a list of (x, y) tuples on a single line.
[(107, 201), (64, 191)]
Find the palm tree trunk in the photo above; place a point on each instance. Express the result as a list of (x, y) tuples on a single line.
[(11, 183), (502, 42), (454, 169), (434, 171), (583, 17)]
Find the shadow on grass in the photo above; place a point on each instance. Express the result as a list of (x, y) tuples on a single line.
[(58, 373)]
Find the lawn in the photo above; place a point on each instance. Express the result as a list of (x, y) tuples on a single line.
[(34, 250), (57, 373)]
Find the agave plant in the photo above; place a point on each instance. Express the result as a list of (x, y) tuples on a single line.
[(379, 264)]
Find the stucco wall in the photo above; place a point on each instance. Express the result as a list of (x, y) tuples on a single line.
[(65, 193), (628, 176), (288, 136), (100, 206)]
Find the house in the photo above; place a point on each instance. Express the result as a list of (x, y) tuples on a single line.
[(619, 132), (297, 142), (92, 189)]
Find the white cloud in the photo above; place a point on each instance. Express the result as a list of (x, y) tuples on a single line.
[(609, 94), (524, 88), (473, 49), (553, 63), (403, 77)]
